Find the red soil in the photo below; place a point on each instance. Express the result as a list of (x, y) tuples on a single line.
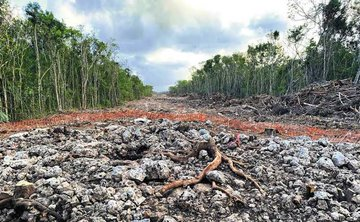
[(286, 130)]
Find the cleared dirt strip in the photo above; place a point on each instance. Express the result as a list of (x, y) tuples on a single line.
[(285, 130)]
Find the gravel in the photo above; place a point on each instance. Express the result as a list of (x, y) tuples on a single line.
[(113, 171)]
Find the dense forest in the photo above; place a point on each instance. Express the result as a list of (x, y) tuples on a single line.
[(46, 67), (324, 46)]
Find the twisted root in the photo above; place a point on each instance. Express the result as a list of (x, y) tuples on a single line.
[(218, 158)]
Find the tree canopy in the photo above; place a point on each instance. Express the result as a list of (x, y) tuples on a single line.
[(46, 66)]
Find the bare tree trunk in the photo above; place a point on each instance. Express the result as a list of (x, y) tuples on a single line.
[(5, 96), (59, 89), (39, 84), (357, 77), (56, 87)]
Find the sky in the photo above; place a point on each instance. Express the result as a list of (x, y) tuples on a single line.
[(161, 40)]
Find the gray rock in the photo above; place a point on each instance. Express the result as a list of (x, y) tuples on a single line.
[(118, 172), (294, 161), (239, 183), (322, 216), (356, 215), (19, 164), (20, 155), (7, 160), (64, 187), (322, 205), (354, 165), (203, 155), (85, 150), (323, 142), (216, 176), (41, 150), (304, 156), (356, 199), (226, 138), (134, 195), (46, 191), (272, 147), (206, 137), (53, 172), (344, 211), (54, 182), (138, 133), (18, 135), (126, 136), (355, 186), (287, 159), (219, 196), (322, 195), (302, 138), (233, 218), (112, 127), (114, 207), (85, 199), (337, 216), (339, 159), (156, 169), (202, 188), (188, 194), (194, 133), (142, 121), (169, 219), (100, 193), (137, 174), (244, 137), (326, 163), (97, 219), (142, 220), (203, 132)]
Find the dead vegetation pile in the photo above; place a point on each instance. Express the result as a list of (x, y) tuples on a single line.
[(336, 102)]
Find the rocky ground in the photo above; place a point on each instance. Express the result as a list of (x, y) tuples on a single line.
[(113, 171)]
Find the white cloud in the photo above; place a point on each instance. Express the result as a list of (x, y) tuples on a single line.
[(174, 56), (65, 10), (240, 11)]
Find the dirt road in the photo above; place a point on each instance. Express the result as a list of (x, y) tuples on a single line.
[(185, 109)]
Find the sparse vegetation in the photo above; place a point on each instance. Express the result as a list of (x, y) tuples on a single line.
[(332, 53)]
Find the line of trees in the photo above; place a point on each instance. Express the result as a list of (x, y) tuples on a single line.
[(46, 66), (324, 47)]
